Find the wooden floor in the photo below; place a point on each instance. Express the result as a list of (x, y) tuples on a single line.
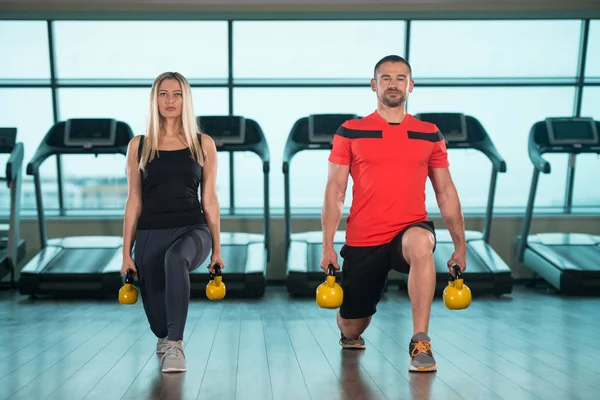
[(530, 345)]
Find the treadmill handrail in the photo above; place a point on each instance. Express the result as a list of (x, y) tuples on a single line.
[(490, 151), (14, 169), (290, 150), (45, 151), (261, 149), (292, 147), (262, 153), (484, 145), (536, 150), (535, 153), (14, 164)]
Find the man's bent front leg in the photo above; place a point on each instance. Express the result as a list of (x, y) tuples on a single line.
[(417, 249)]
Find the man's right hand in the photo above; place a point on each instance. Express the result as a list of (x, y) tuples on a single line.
[(128, 263), (329, 256)]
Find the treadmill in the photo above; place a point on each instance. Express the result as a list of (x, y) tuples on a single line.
[(486, 272), (303, 249), (245, 254), (12, 247), (570, 262), (78, 265)]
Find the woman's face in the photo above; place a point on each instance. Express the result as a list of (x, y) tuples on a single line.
[(170, 99)]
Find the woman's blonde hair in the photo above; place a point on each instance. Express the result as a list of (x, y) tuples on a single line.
[(155, 121)]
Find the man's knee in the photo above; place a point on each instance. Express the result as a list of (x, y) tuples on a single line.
[(417, 245), (353, 321), (354, 325)]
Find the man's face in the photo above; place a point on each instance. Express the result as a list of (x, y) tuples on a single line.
[(392, 84)]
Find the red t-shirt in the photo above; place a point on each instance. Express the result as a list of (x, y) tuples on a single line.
[(389, 167)]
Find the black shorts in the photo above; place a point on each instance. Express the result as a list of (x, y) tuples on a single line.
[(365, 271)]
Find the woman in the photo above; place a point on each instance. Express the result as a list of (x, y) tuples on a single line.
[(172, 229)]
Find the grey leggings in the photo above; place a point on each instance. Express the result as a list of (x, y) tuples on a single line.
[(164, 259)]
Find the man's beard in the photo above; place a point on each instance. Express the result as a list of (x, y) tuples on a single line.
[(393, 102)]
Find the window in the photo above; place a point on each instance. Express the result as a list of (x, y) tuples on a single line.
[(508, 129), (591, 102), (507, 114), (317, 50), (299, 52), (30, 111), (586, 192), (141, 49), (494, 49), (24, 49), (592, 68), (94, 183), (276, 110)]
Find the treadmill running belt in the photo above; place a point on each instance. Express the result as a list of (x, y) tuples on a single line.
[(478, 275), (313, 257), (444, 251), (80, 261), (586, 257), (234, 258), (240, 276)]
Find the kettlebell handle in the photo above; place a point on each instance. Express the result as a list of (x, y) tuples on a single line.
[(457, 272), (330, 270), (217, 272), (129, 276)]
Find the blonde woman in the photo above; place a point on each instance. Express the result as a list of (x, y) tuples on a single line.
[(168, 168)]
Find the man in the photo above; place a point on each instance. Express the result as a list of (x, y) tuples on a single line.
[(389, 154)]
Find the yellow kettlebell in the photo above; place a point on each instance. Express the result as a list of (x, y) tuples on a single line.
[(128, 294), (457, 295), (215, 288), (329, 293)]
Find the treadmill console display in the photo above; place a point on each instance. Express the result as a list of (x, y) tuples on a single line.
[(322, 127), (8, 137), (224, 129), (90, 132), (572, 131), (453, 126)]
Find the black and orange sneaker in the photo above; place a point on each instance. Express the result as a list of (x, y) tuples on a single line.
[(421, 357), (352, 343)]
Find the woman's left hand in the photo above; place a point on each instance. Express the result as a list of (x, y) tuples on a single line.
[(216, 259)]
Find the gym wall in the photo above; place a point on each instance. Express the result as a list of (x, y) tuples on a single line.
[(504, 228)]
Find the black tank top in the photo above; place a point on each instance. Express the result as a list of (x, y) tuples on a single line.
[(170, 190)]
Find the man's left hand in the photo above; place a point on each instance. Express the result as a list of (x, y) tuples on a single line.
[(459, 257)]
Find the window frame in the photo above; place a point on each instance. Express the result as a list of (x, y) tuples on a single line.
[(54, 84)]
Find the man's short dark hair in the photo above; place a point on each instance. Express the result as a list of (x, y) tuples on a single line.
[(391, 58)]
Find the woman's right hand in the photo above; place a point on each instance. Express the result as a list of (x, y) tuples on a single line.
[(128, 263)]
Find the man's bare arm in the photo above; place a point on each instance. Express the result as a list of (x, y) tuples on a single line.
[(449, 205), (335, 194)]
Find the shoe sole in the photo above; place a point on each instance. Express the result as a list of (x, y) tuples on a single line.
[(174, 370), (354, 346), (412, 368)]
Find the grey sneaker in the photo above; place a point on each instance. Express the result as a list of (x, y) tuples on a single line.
[(161, 346), (421, 357), (352, 343), (173, 360)]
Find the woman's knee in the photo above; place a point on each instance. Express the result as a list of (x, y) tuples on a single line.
[(175, 258), (189, 251)]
